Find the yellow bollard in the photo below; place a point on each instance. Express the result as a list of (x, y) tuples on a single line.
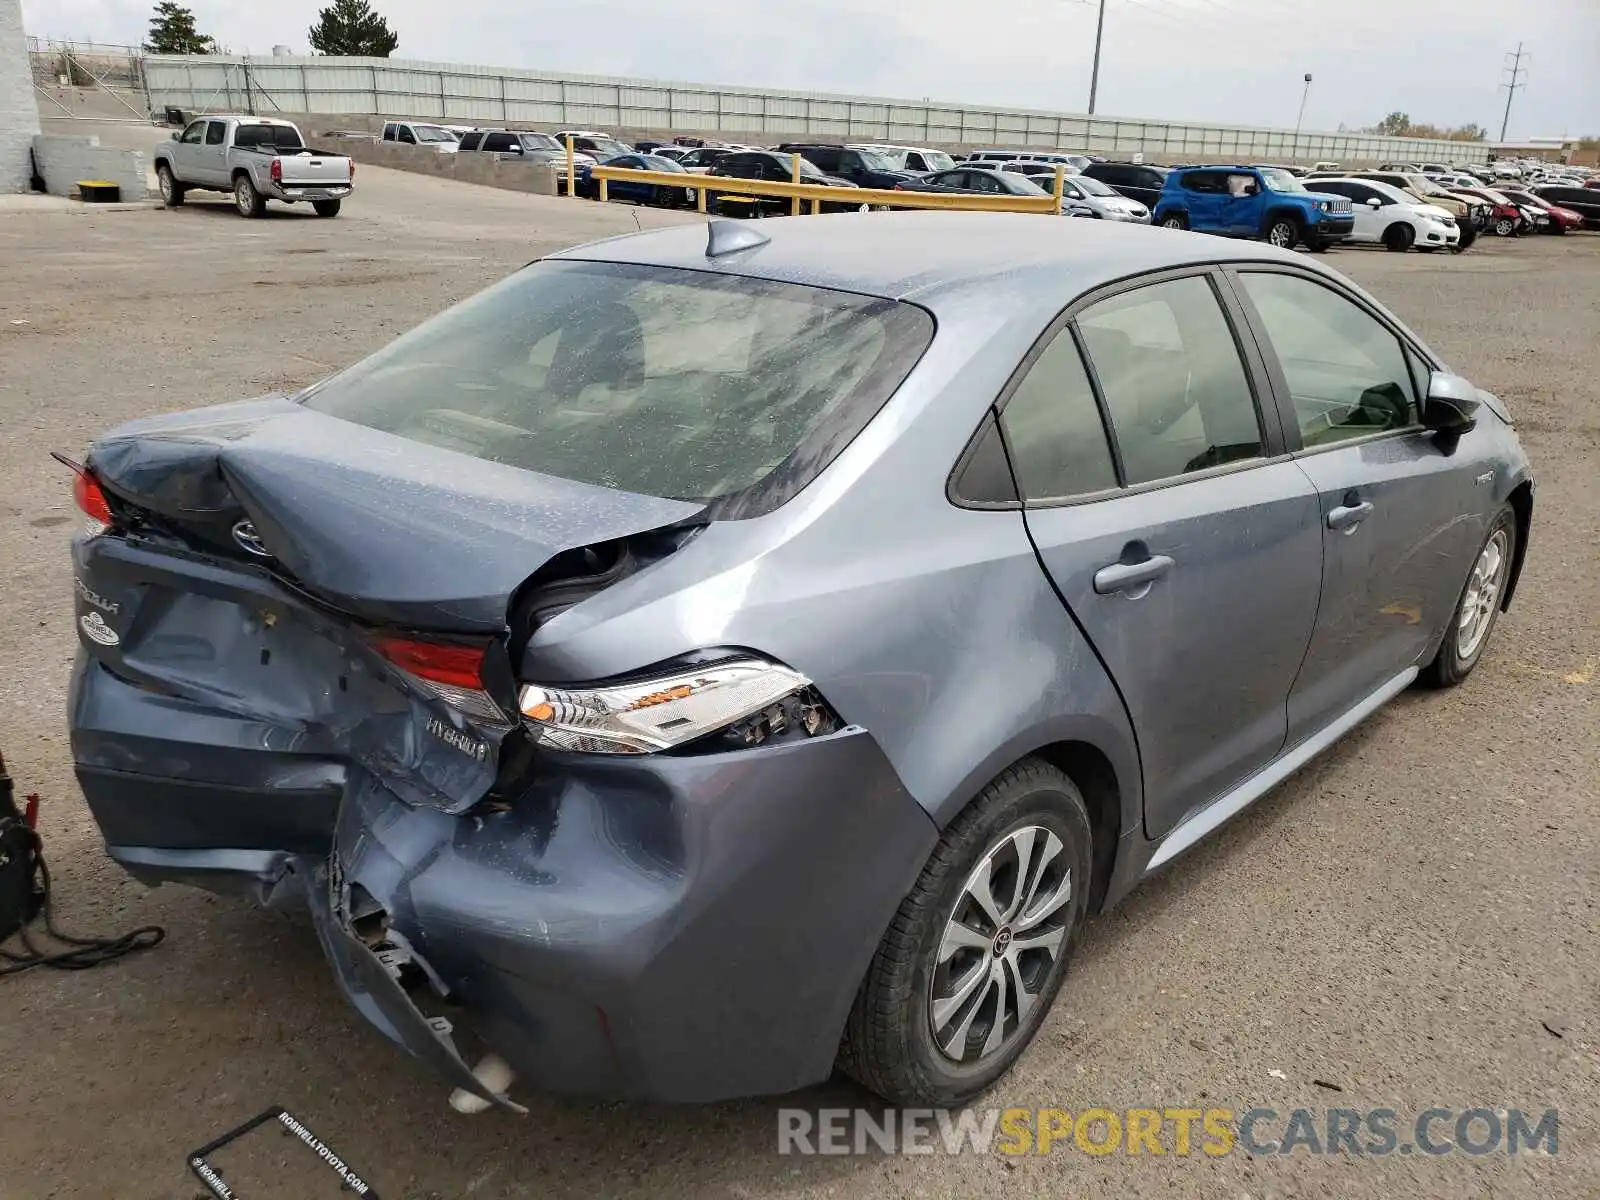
[(572, 169), (700, 197), (816, 207), (1061, 177), (794, 205), (605, 192)]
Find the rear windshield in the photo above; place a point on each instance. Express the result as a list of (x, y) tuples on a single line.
[(277, 137), (653, 380)]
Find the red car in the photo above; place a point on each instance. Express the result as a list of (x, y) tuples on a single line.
[(1506, 218), (1561, 219)]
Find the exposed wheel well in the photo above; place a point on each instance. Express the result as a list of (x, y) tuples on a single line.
[(1521, 500), (1091, 770)]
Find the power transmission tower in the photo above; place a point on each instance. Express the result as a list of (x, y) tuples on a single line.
[(1518, 72)]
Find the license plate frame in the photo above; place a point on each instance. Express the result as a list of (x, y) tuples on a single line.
[(212, 1178)]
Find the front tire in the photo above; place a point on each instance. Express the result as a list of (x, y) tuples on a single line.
[(326, 208), (1174, 221), (1479, 607), (172, 192), (246, 199), (974, 957), (1505, 227), (1399, 238), (1282, 232)]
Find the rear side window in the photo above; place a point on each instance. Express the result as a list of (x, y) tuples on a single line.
[(1053, 428), (499, 143), (215, 132), (469, 141), (1205, 182), (1173, 383), (667, 382)]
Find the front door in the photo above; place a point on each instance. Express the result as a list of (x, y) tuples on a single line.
[(1191, 562), (1242, 205), (1398, 517), (186, 151), (212, 156)]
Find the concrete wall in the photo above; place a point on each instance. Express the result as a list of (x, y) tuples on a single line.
[(490, 170), (19, 116), (63, 160)]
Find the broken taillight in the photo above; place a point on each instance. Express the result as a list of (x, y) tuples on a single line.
[(86, 491), (452, 671), (86, 494)]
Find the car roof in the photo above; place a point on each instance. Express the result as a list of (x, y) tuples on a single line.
[(913, 255)]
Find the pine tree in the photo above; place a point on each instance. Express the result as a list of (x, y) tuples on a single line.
[(351, 27), (172, 31)]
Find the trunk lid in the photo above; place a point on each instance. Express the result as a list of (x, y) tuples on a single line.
[(390, 530)]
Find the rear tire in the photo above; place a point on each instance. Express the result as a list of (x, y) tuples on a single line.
[(1478, 609), (1505, 227), (326, 208), (172, 192), (246, 199), (1318, 246), (1175, 221), (954, 996), (1399, 238)]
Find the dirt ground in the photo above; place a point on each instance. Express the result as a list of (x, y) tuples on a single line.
[(1409, 919)]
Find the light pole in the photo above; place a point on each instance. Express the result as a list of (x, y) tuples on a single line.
[(1304, 96), (1094, 78)]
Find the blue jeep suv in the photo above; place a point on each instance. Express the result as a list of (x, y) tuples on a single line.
[(1254, 202)]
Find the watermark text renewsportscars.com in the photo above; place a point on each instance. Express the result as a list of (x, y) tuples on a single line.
[(1176, 1131)]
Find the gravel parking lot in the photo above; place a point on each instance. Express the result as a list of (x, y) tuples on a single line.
[(1413, 919)]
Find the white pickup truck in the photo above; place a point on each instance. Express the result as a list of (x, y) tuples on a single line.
[(257, 159)]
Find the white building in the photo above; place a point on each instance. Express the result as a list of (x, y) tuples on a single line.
[(19, 115)]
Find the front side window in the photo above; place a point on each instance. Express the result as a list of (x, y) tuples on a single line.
[(1053, 428), (1347, 372), (1174, 386), (673, 383)]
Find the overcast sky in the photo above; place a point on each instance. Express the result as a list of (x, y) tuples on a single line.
[(1236, 61)]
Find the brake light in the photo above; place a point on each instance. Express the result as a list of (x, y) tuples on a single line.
[(451, 671), (86, 493), (352, 170), (449, 663), (277, 170)]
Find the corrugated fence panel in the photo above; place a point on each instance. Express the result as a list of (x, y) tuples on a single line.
[(400, 88)]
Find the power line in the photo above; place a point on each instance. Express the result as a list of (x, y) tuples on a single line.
[(1517, 71)]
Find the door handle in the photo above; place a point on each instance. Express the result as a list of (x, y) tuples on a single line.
[(1133, 578), (1348, 516)]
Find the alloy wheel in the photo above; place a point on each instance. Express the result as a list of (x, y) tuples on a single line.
[(1002, 941), (1281, 235), (1483, 595), (244, 196), (164, 181)]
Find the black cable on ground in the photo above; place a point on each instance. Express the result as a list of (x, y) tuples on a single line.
[(84, 952)]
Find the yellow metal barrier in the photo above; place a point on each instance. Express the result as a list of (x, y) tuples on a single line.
[(748, 189)]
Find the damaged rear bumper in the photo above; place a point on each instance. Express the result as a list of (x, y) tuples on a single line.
[(679, 928)]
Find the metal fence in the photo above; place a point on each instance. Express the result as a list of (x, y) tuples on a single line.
[(540, 99)]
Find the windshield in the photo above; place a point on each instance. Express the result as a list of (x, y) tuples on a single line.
[(1027, 185), (276, 137), (539, 141), (1427, 187), (434, 133), (873, 160), (1092, 186), (654, 380), (609, 146), (1280, 180), (938, 160), (654, 162), (888, 160)]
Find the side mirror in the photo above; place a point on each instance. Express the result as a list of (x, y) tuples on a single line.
[(176, 134), (1374, 202), (1451, 404)]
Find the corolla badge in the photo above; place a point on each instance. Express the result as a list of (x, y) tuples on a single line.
[(249, 540), (96, 630)]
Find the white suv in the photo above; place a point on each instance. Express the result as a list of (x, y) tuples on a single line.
[(1390, 217)]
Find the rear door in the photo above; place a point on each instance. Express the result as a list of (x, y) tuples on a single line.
[(1398, 517), (1202, 192), (1185, 543)]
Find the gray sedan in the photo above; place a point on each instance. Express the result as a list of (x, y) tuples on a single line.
[(702, 658)]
